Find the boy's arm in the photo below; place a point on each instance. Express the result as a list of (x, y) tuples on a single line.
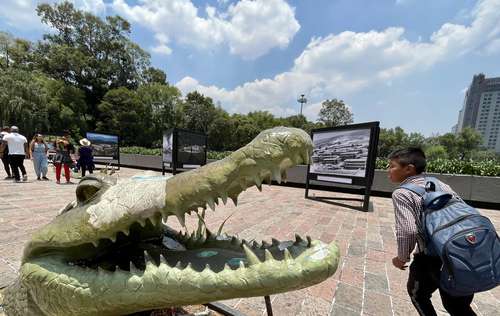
[(406, 229)]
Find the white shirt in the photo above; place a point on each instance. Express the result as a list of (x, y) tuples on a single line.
[(16, 143)]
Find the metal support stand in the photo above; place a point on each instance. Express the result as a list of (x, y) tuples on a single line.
[(269, 307), (228, 311)]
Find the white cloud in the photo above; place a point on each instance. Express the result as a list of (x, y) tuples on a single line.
[(339, 64), (162, 47), (250, 28), (21, 14)]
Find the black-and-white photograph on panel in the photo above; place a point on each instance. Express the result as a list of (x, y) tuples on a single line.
[(342, 153), (168, 146)]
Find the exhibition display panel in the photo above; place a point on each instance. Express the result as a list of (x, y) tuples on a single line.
[(183, 149), (106, 148), (345, 155)]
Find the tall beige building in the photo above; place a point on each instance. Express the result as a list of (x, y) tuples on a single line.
[(481, 110)]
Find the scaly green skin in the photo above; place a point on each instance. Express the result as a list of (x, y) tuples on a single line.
[(48, 285)]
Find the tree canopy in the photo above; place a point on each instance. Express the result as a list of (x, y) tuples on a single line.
[(335, 113)]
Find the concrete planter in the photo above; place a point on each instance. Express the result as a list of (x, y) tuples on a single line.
[(472, 188)]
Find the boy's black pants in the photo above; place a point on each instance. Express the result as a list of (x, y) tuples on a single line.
[(17, 163), (424, 280)]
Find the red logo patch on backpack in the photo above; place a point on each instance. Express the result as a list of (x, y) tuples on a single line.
[(471, 238)]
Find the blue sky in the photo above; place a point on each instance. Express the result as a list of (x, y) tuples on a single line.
[(402, 62)]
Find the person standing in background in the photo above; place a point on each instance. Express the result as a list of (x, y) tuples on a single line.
[(4, 153), (18, 148), (38, 152), (86, 159), (64, 149)]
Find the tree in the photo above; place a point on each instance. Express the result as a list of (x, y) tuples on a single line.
[(89, 53), (469, 141), (435, 152), (15, 52), (23, 100), (123, 114), (154, 75), (335, 113), (298, 121), (391, 140), (450, 142), (162, 106), (199, 111), (220, 131)]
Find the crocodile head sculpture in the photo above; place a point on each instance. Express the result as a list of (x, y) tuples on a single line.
[(110, 252)]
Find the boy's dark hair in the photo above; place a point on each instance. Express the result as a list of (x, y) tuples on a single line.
[(410, 156)]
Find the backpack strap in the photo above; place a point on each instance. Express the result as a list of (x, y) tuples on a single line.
[(414, 188)]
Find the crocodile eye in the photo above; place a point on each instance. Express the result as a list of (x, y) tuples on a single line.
[(88, 187)]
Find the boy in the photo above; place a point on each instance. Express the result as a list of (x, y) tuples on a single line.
[(407, 166)]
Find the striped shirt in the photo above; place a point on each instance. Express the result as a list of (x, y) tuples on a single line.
[(407, 208)]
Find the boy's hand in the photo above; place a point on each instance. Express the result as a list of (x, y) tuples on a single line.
[(398, 263)]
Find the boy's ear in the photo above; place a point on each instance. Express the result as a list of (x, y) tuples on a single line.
[(411, 168)]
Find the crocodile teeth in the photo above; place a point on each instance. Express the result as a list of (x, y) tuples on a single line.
[(163, 260), (259, 187), (113, 238), (211, 203), (126, 231), (227, 267), (298, 239), (142, 222), (277, 175), (224, 198), (235, 200), (95, 243), (298, 159), (181, 218), (257, 180), (288, 256), (147, 257), (283, 176), (235, 241), (179, 265), (242, 264), (154, 220), (305, 157), (251, 257), (133, 269), (268, 255), (207, 267)]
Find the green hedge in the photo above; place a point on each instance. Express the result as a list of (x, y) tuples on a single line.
[(454, 166), (480, 168), (135, 150)]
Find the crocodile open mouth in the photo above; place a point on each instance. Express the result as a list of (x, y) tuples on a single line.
[(160, 244)]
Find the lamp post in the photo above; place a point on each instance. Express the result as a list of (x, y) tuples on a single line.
[(302, 100)]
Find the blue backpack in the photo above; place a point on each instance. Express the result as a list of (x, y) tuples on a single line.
[(466, 241)]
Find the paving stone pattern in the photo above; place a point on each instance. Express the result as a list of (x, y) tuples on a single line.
[(365, 283)]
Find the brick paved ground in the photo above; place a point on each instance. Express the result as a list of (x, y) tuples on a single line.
[(364, 284)]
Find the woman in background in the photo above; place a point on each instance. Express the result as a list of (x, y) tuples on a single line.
[(86, 159), (64, 149), (38, 153)]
